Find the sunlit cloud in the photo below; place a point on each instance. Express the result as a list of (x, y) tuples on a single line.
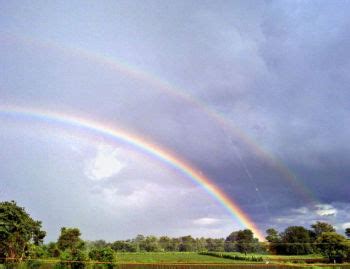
[(325, 210), (336, 214), (206, 221), (104, 165), (346, 225)]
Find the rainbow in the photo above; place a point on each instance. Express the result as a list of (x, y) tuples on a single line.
[(160, 84), (145, 146)]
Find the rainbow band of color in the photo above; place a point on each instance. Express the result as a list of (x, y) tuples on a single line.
[(147, 147), (163, 85)]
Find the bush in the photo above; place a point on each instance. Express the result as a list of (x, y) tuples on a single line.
[(34, 264), (102, 255), (73, 258)]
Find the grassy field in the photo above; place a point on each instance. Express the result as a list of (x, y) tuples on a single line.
[(196, 259), (169, 257), (192, 257), (276, 257)]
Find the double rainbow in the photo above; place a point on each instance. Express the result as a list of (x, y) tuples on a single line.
[(143, 145), (162, 85)]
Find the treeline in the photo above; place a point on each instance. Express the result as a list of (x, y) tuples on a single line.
[(21, 238), (235, 242), (322, 238), (240, 241)]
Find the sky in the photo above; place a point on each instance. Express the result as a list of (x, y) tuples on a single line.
[(252, 94)]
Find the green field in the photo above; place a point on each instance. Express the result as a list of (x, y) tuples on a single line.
[(197, 258), (169, 257), (193, 257), (276, 257)]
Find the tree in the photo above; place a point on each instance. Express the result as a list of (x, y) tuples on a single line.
[(53, 250), (272, 236), (274, 240), (230, 242), (73, 258), (96, 244), (175, 244), (333, 246), (124, 246), (241, 241), (149, 244), (187, 243), (246, 241), (36, 252), (215, 245), (165, 243), (104, 254), (138, 240), (296, 241), (17, 231), (70, 239), (72, 247), (347, 232), (321, 227)]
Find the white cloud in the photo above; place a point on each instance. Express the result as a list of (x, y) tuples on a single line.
[(206, 221), (301, 210), (346, 225), (104, 165), (137, 199), (325, 210), (336, 214)]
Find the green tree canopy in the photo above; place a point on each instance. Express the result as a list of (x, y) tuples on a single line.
[(187, 243), (246, 241), (72, 248), (166, 244), (103, 254), (149, 244), (321, 227), (70, 239), (17, 231), (241, 241), (124, 246), (96, 244), (274, 240), (272, 236), (53, 250), (347, 232), (333, 246), (296, 241)]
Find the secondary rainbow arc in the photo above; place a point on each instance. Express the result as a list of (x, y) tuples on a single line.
[(162, 84), (140, 143)]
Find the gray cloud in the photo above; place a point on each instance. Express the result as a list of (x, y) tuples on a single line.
[(275, 73)]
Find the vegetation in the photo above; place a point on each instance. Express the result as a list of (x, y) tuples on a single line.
[(321, 227), (322, 239), (274, 257), (242, 241), (70, 239), (18, 232), (333, 245), (72, 248), (168, 257), (347, 232), (234, 257), (105, 255), (21, 238)]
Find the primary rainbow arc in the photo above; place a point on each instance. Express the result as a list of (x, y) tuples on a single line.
[(147, 147), (161, 84)]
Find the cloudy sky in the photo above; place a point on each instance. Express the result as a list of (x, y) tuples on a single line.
[(253, 94)]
